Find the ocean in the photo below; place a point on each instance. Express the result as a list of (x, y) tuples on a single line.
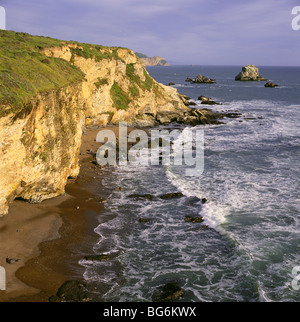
[(248, 246)]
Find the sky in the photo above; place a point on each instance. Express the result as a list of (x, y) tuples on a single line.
[(199, 32)]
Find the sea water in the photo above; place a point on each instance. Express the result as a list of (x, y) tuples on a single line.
[(249, 241)]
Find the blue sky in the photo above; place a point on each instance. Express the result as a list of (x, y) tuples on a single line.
[(204, 32)]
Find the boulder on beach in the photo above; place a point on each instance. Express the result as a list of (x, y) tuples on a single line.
[(249, 73), (75, 291)]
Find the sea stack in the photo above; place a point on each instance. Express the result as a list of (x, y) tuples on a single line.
[(249, 73)]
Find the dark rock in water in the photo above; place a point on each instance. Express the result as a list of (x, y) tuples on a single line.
[(171, 83), (188, 79), (100, 199), (147, 196), (172, 195), (203, 200), (202, 79), (192, 116), (98, 258), (190, 103), (203, 98), (193, 219), (270, 84), (233, 115), (144, 220), (169, 292), (208, 101), (73, 291)]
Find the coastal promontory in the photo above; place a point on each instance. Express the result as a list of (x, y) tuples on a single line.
[(152, 61)]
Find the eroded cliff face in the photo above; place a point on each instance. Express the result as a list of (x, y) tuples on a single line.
[(40, 150), (119, 89), (40, 146)]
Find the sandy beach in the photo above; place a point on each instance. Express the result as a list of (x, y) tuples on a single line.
[(41, 244)]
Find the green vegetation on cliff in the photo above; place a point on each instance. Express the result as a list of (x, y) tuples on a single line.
[(119, 97), (134, 78), (25, 71)]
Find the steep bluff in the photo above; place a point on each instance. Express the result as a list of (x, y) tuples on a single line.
[(40, 150), (119, 88), (51, 89)]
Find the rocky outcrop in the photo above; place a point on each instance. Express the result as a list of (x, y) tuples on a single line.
[(207, 101), (249, 73), (270, 84), (201, 80), (40, 150), (155, 61)]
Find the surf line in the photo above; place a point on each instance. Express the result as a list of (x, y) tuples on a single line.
[(187, 148)]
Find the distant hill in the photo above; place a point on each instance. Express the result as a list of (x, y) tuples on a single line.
[(152, 61)]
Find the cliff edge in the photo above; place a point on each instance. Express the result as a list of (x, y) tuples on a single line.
[(49, 90)]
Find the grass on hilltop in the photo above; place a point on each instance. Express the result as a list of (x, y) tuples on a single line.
[(25, 71)]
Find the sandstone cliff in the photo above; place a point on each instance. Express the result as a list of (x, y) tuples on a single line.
[(49, 90)]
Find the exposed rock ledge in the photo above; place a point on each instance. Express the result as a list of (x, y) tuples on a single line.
[(249, 73), (40, 140)]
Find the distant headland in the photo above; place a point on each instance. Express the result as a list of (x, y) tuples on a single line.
[(152, 61)]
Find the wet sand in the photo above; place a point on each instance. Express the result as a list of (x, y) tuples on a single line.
[(49, 239)]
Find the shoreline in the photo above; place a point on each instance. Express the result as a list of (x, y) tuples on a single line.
[(48, 239)]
